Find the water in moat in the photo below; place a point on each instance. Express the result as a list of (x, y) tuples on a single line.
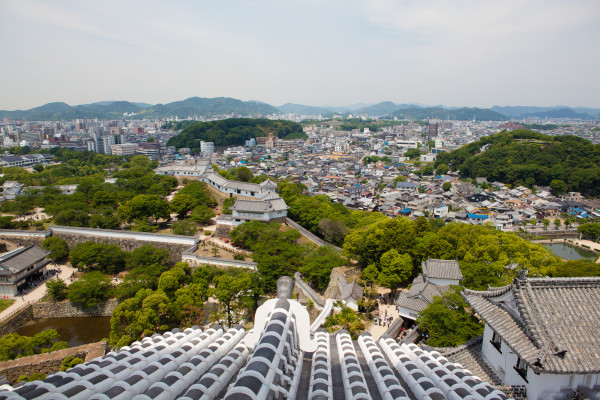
[(74, 331), (569, 252)]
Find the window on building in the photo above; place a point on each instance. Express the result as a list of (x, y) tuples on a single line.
[(496, 341), (521, 368)]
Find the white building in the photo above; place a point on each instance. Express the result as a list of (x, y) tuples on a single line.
[(272, 208), (207, 148), (542, 333)]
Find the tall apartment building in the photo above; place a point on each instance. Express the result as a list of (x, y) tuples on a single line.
[(207, 148)]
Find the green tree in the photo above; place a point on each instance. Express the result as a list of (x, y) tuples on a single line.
[(446, 186), (370, 274), (57, 289), (558, 187), (546, 223), (175, 278), (317, 265), (147, 255), (557, 223), (202, 214), (144, 206), (227, 204), (233, 292), (242, 174), (413, 154), (185, 227), (91, 290), (181, 204), (333, 230), (38, 167), (448, 322), (590, 230), (395, 269), (57, 247), (442, 169), (14, 345), (107, 258)]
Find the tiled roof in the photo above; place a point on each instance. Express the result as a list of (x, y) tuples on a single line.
[(277, 360), (21, 258), (556, 324), (420, 294), (441, 269)]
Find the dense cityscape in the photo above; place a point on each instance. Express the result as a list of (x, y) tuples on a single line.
[(373, 200)]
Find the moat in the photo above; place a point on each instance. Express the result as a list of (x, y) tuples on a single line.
[(74, 331), (568, 252)]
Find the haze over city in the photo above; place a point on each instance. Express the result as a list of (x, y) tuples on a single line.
[(455, 53)]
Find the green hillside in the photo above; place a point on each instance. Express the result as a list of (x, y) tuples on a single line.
[(460, 114), (524, 157), (234, 132)]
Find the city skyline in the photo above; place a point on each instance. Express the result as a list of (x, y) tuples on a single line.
[(456, 53)]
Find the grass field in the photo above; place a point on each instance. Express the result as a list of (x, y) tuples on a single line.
[(5, 303)]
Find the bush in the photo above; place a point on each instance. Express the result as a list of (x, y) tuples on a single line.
[(36, 376), (69, 362), (14, 345)]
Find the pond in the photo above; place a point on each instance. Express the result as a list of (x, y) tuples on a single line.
[(74, 331), (569, 252)]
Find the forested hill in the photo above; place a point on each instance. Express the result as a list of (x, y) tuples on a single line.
[(460, 114), (233, 132), (523, 157)]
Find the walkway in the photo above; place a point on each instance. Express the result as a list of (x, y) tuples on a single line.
[(378, 330), (38, 292)]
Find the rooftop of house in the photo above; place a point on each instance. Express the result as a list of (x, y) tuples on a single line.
[(441, 269), (552, 324)]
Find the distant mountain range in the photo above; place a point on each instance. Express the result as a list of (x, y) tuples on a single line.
[(520, 112), (208, 107)]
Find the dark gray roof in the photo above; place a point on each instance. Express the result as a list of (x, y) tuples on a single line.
[(420, 294), (17, 260), (556, 324), (441, 269)]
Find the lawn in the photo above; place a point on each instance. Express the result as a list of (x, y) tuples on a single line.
[(5, 303)]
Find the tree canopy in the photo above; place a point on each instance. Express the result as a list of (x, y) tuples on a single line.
[(234, 132), (523, 157)]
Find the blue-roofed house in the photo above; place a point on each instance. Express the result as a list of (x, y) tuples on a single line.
[(477, 218)]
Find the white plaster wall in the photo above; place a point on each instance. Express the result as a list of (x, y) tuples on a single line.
[(549, 386), (406, 313)]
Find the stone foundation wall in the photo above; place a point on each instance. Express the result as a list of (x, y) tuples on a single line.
[(48, 363), (15, 322), (66, 309), (25, 238), (223, 231), (126, 244)]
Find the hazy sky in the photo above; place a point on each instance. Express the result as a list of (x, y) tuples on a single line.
[(326, 52)]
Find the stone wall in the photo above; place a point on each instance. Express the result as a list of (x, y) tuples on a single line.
[(66, 309), (16, 321), (126, 240), (48, 363), (223, 231), (25, 238)]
